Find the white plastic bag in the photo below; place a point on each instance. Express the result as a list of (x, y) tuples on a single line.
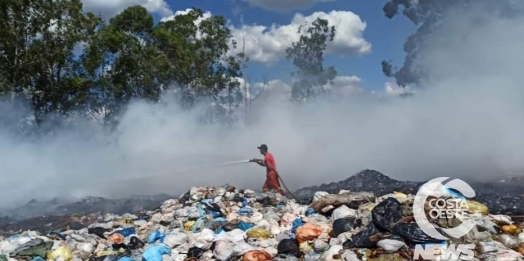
[(319, 194), (390, 245), (343, 212), (223, 249), (86, 247), (241, 248), (173, 240)]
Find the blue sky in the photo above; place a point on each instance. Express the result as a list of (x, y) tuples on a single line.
[(386, 36)]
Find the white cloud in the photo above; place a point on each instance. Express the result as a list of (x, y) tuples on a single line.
[(205, 16), (346, 85), (267, 44), (113, 7), (285, 5), (393, 89)]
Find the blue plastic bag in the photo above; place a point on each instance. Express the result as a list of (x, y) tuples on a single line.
[(296, 224), (126, 232), (207, 201), (214, 213), (126, 258), (157, 235), (219, 230), (245, 211), (310, 212), (155, 253), (219, 219), (244, 226)]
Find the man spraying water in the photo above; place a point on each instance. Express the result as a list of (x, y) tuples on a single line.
[(272, 182)]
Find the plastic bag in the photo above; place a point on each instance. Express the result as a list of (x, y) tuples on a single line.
[(386, 214), (486, 247), (135, 243), (155, 253), (116, 238), (174, 240), (288, 247), (244, 226), (412, 233), (476, 207), (390, 245), (241, 248), (508, 241), (296, 224), (62, 252), (229, 226), (328, 255), (364, 239), (257, 255), (307, 232), (223, 249), (510, 229), (195, 252), (319, 194), (351, 199), (126, 232), (86, 247), (343, 212), (258, 233), (320, 246), (342, 225), (157, 235)]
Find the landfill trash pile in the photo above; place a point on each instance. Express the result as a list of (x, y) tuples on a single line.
[(502, 197), (226, 223)]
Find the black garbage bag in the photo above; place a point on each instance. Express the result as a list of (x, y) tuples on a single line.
[(75, 226), (135, 243), (229, 227), (238, 199), (288, 247), (386, 214), (119, 246), (364, 239), (99, 231), (342, 225), (413, 234), (195, 252), (106, 258)]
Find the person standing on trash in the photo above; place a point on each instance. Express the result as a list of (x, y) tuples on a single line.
[(272, 182)]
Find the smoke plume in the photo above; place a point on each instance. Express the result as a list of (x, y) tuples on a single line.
[(466, 121)]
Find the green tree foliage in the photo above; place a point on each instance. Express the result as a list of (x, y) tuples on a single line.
[(64, 60), (427, 15), (307, 55), (37, 42)]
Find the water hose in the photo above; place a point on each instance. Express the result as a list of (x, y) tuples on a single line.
[(287, 189)]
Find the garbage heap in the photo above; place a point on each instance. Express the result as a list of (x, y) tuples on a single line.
[(225, 223)]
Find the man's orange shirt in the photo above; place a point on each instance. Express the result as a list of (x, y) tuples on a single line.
[(270, 162)]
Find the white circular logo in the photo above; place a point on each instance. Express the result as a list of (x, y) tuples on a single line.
[(442, 207)]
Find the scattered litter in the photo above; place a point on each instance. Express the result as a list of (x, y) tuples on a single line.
[(225, 223)]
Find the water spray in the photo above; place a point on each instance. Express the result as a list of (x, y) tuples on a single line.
[(188, 169), (206, 167)]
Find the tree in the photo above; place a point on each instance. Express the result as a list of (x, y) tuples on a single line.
[(67, 62), (37, 43), (307, 55), (201, 67), (124, 63), (427, 15)]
